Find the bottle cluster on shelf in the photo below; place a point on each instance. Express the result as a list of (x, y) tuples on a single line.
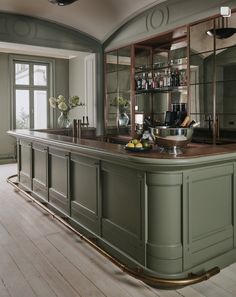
[(150, 80)]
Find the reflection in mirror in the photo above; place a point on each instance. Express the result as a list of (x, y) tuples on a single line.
[(200, 42), (118, 85), (229, 22), (213, 79)]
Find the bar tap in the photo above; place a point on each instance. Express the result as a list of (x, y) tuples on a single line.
[(74, 128), (79, 129), (85, 123)]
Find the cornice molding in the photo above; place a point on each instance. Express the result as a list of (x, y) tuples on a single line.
[(32, 31)]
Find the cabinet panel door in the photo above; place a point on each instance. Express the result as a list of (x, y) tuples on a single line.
[(59, 179), (85, 191), (25, 164), (123, 209), (208, 203), (40, 171)]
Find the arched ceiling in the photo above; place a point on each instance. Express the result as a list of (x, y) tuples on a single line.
[(98, 18)]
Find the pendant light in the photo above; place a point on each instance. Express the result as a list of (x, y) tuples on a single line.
[(62, 2), (222, 30)]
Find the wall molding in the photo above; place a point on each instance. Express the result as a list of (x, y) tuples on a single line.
[(32, 31), (162, 18)]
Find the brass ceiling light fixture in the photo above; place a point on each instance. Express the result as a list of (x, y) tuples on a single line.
[(62, 2), (222, 31)]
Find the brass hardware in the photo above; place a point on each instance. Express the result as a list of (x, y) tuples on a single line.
[(44, 203), (93, 239), (136, 272), (64, 218)]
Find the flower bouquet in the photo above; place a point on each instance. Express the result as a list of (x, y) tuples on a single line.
[(123, 105), (64, 105)]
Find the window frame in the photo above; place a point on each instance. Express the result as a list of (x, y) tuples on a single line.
[(31, 60)]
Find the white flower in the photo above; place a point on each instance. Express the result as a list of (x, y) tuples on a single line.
[(63, 106), (60, 99), (53, 102), (74, 101)]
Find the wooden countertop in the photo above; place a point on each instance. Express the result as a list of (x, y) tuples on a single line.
[(193, 150)]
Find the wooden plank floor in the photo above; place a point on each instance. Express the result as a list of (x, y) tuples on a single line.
[(41, 258)]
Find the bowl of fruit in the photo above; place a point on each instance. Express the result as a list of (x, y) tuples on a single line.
[(136, 145)]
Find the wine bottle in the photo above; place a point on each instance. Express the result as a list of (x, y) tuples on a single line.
[(185, 122), (193, 124)]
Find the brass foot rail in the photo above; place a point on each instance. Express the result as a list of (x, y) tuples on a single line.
[(136, 272)]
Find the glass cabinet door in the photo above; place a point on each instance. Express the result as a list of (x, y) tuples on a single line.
[(143, 77), (213, 78), (201, 60), (225, 65), (160, 79), (144, 81), (118, 90)]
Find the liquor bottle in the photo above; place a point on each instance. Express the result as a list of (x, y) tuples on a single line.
[(155, 82), (177, 80), (150, 80), (168, 79), (183, 78), (173, 81), (165, 79), (139, 83), (161, 81), (144, 82)]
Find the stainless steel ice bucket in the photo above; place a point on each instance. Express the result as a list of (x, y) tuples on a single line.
[(170, 138)]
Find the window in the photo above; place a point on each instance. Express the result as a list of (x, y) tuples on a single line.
[(31, 90)]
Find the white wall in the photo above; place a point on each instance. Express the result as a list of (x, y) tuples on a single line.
[(90, 89), (7, 143), (77, 84)]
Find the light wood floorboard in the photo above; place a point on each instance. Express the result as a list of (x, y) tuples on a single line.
[(39, 257)]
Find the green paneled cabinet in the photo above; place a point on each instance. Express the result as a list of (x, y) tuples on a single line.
[(169, 217)]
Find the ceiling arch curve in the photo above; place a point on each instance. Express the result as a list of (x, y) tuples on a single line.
[(98, 19)]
